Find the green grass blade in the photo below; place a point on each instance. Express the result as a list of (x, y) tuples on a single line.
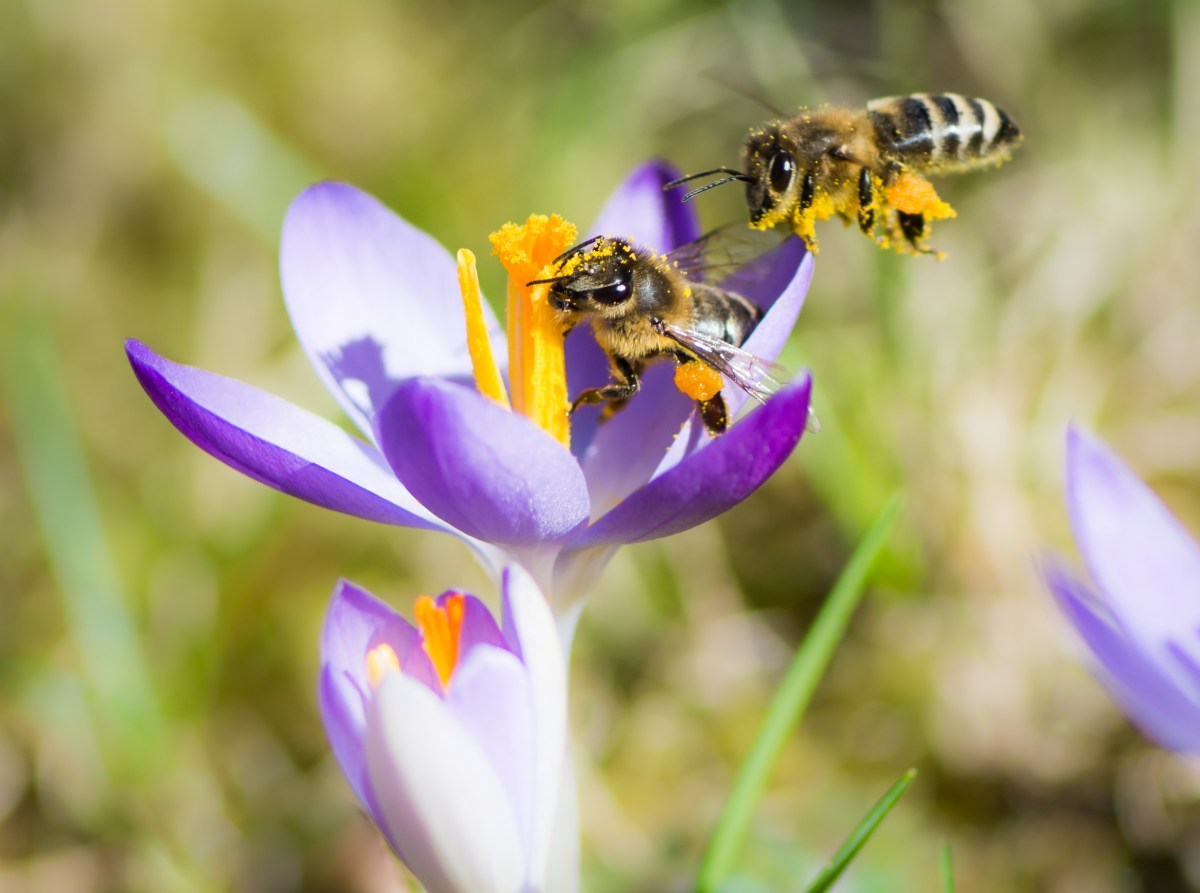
[(791, 699), (947, 870), (861, 834)]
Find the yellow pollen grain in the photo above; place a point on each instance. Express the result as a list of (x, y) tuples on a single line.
[(381, 660), (911, 194), (698, 380), (536, 369), (487, 373), (441, 628)]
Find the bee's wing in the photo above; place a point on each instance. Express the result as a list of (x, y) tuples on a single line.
[(723, 251), (757, 377)]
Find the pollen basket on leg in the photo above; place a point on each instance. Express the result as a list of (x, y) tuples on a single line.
[(487, 373), (537, 372)]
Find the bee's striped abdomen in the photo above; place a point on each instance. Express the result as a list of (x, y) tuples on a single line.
[(943, 131)]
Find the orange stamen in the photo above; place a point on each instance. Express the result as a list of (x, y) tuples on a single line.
[(487, 373), (698, 380), (441, 627), (536, 371), (381, 660)]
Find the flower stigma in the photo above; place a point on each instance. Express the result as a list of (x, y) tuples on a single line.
[(441, 629), (537, 372)]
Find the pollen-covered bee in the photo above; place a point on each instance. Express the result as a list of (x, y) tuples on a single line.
[(643, 307), (867, 164)]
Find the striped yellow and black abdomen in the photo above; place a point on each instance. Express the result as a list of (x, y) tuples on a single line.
[(943, 132)]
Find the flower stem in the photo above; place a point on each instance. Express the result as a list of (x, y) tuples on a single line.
[(791, 699)]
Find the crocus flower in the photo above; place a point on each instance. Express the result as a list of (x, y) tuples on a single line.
[(453, 735), (379, 307), (1141, 616)]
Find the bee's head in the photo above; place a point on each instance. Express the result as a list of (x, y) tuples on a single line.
[(594, 276), (773, 172)]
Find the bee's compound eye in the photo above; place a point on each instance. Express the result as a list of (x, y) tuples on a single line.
[(782, 172), (611, 294)]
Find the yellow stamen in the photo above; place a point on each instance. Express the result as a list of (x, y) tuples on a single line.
[(698, 381), (911, 194), (487, 373), (441, 628), (536, 371), (381, 660)]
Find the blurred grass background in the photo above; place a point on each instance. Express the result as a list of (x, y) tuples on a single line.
[(158, 727)]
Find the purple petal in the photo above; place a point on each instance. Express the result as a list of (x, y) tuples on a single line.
[(1142, 559), (765, 279), (1149, 696), (493, 471), (491, 697), (711, 480), (276, 443), (628, 447), (355, 622), (372, 298), (478, 626), (640, 211)]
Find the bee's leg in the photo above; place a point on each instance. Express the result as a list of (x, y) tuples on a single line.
[(866, 201), (913, 226), (615, 395), (713, 412)]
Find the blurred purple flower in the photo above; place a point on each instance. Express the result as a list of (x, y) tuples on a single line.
[(1142, 620), (376, 304), (453, 735)]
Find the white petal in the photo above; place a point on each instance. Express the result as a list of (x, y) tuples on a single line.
[(437, 792), (543, 655)]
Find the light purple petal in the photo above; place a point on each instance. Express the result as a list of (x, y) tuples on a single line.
[(1148, 695), (493, 471), (492, 699), (276, 443), (639, 210), (478, 626), (711, 480), (355, 622), (1142, 559), (372, 298)]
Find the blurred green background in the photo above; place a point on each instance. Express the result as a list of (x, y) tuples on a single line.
[(159, 613)]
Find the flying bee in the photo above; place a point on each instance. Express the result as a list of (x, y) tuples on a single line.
[(642, 307), (867, 164)]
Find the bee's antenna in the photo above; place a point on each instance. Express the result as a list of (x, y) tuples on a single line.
[(716, 183), (575, 249), (735, 174), (546, 281)]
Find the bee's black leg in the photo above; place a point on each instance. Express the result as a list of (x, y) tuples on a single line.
[(615, 395), (913, 227), (716, 420), (866, 201)]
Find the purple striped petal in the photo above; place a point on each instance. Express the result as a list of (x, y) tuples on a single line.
[(372, 298), (712, 480), (275, 442), (475, 464), (1163, 711)]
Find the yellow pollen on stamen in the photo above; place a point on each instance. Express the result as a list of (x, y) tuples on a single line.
[(911, 194), (698, 381), (487, 373), (381, 660), (537, 373), (441, 627)]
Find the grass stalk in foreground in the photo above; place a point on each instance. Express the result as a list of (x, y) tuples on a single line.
[(791, 699), (860, 835)]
